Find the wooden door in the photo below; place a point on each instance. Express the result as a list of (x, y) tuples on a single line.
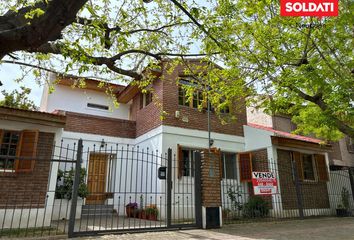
[(96, 179)]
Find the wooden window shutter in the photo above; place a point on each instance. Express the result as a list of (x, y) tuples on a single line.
[(298, 164), (245, 162), (1, 131), (321, 167), (179, 161), (27, 150)]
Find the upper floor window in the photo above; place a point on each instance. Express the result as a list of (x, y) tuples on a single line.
[(8, 149), (183, 99), (97, 106), (145, 99), (198, 97)]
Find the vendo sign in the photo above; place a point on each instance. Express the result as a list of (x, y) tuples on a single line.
[(264, 183), (313, 8)]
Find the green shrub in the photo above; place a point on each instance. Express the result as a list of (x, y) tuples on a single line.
[(65, 182), (255, 207)]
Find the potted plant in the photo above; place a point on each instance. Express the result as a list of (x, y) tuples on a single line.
[(131, 209), (343, 208), (151, 212), (63, 193)]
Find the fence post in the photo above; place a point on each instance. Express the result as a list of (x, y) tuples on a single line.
[(75, 190), (351, 178), (298, 190), (169, 187), (198, 190)]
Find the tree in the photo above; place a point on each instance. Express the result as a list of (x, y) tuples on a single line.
[(18, 99), (107, 37), (305, 65)]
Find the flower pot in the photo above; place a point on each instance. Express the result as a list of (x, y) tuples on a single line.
[(142, 214), (341, 212), (152, 217), (130, 211)]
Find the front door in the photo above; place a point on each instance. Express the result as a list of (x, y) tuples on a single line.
[(96, 180)]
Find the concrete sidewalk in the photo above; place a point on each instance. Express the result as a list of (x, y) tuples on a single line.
[(319, 228)]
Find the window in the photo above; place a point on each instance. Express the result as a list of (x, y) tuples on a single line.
[(197, 98), (18, 150), (145, 99), (97, 106), (8, 150), (308, 167), (229, 165), (186, 161)]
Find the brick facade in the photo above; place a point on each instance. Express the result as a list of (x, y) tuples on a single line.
[(149, 117), (314, 194), (196, 119), (29, 189), (84, 123), (211, 187), (260, 160), (260, 163)]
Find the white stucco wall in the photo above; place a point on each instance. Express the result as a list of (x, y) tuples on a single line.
[(256, 138), (183, 188), (76, 100), (258, 116)]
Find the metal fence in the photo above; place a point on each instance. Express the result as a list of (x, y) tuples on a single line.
[(88, 188), (297, 197)]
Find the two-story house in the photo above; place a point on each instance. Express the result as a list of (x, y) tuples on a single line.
[(155, 121)]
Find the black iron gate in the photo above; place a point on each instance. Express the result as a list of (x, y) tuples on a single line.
[(85, 188), (122, 188)]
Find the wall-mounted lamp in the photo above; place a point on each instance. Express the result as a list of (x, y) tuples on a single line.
[(102, 143)]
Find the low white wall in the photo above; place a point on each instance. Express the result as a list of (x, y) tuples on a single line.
[(25, 218), (62, 208)]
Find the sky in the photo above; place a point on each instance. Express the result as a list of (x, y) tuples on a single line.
[(9, 73)]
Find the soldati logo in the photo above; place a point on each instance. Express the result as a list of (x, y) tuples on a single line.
[(314, 8)]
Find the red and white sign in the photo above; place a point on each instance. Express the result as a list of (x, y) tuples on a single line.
[(314, 8), (264, 183)]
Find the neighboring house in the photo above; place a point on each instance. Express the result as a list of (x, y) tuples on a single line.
[(341, 154), (25, 137), (321, 188)]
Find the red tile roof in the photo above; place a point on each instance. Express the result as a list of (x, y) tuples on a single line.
[(286, 134)]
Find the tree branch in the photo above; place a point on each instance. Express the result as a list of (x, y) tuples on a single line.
[(47, 27), (200, 26), (159, 29), (30, 65), (318, 100)]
